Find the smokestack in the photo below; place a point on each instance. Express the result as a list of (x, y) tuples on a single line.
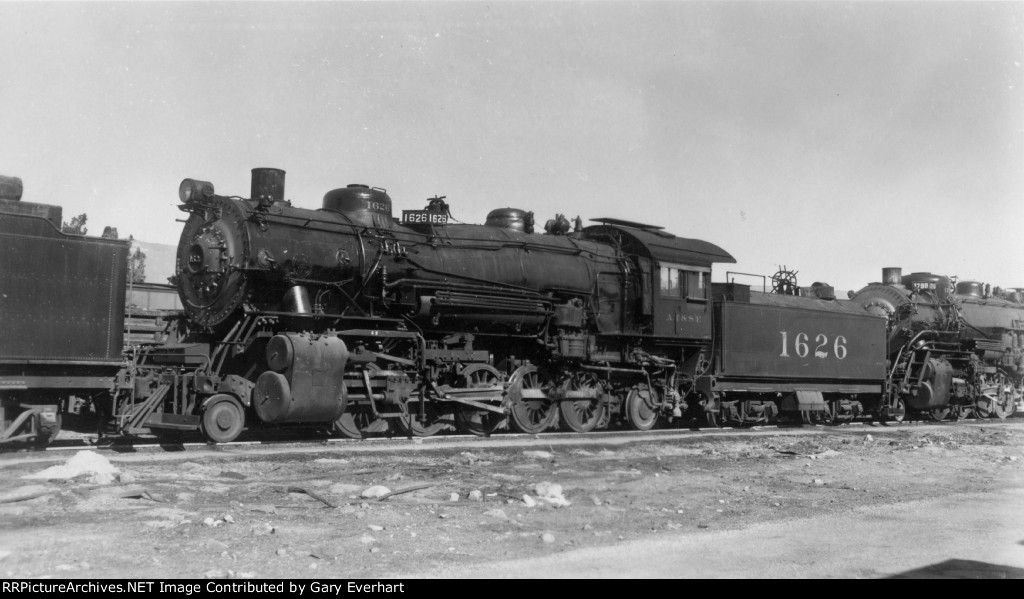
[(267, 185), (892, 275)]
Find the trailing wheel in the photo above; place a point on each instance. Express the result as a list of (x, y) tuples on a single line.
[(223, 419), (641, 414), (530, 409), (582, 414)]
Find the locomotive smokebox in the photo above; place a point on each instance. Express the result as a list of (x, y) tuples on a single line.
[(267, 185), (10, 188), (892, 275)]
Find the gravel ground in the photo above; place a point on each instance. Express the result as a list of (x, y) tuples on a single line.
[(299, 511)]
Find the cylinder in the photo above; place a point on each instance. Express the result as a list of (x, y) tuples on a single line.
[(267, 185), (892, 275), (306, 380), (10, 188), (297, 300)]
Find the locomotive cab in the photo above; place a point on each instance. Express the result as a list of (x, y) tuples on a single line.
[(674, 278)]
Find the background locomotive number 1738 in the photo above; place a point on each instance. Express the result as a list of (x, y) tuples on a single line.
[(801, 347)]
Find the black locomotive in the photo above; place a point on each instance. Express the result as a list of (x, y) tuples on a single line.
[(954, 348), (347, 318)]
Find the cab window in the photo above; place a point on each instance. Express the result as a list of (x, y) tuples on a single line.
[(696, 285), (669, 282), (678, 282)]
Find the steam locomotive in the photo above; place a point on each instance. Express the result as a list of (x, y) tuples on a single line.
[(351, 319), (357, 322), (954, 347)]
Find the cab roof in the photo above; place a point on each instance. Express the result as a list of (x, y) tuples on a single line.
[(653, 242)]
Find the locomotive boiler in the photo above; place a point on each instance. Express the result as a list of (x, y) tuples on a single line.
[(347, 316), (953, 348)]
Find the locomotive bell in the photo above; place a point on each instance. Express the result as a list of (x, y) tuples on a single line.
[(267, 185)]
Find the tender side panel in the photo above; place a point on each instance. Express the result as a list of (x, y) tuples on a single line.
[(61, 296), (768, 341)]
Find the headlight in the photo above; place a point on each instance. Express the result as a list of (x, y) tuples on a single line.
[(191, 190)]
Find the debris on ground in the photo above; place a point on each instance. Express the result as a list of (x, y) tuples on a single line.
[(375, 491), (85, 462), (25, 493), (314, 495), (539, 455), (551, 493)]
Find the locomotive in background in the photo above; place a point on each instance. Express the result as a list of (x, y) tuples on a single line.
[(62, 305), (954, 348)]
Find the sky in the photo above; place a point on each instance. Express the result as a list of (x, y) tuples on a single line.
[(833, 138)]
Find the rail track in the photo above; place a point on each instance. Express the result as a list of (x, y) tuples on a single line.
[(300, 439)]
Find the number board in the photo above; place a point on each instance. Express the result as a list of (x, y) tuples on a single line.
[(774, 341), (423, 217)]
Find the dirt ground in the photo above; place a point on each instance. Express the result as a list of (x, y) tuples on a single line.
[(261, 511)]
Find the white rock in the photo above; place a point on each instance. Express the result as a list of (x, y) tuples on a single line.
[(366, 539), (375, 491), (83, 462), (476, 495), (453, 497), (551, 493), (529, 501), (546, 489), (547, 537), (375, 527)]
